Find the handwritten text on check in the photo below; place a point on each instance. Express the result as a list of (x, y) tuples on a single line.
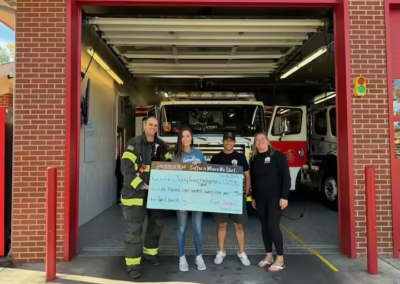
[(205, 188)]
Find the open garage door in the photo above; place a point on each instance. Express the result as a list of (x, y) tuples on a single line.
[(204, 48), (192, 55)]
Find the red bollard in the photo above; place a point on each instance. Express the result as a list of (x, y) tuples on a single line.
[(372, 241), (51, 215)]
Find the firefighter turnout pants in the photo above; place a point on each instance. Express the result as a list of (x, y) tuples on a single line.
[(134, 249)]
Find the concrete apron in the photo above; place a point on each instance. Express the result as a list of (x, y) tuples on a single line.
[(299, 270)]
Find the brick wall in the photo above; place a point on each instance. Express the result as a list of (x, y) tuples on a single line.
[(370, 119), (39, 122), (6, 100)]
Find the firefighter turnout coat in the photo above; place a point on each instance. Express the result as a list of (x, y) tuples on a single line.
[(135, 167)]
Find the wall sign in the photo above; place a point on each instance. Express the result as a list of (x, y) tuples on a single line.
[(90, 142)]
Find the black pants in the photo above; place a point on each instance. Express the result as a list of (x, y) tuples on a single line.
[(135, 217), (269, 213)]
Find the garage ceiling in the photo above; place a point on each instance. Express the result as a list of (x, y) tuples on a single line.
[(204, 48)]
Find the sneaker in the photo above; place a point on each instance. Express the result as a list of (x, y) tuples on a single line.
[(244, 259), (219, 258), (183, 265), (200, 263)]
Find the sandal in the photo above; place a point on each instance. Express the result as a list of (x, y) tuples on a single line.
[(276, 267), (263, 263)]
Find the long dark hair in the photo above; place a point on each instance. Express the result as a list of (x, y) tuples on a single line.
[(178, 151)]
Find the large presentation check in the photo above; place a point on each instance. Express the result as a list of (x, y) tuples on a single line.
[(206, 188)]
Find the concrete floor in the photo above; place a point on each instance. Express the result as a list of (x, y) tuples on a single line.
[(318, 229), (303, 269)]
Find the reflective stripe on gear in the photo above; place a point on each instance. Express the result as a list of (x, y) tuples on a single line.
[(150, 251), (130, 156), (249, 198), (147, 169), (136, 182), (167, 156), (133, 261), (132, 202)]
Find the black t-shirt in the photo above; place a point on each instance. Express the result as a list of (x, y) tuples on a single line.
[(233, 159)]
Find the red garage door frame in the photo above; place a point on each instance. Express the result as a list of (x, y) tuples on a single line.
[(343, 90), (392, 20)]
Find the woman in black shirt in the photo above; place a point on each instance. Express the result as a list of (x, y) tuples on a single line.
[(270, 184)]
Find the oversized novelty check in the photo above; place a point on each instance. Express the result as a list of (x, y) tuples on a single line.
[(206, 188)]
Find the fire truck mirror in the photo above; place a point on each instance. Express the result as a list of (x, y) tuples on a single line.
[(285, 126)]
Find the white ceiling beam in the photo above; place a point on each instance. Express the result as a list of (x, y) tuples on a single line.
[(233, 51), (186, 35), (201, 76), (199, 72), (215, 29), (196, 43), (175, 50), (204, 55), (208, 22), (194, 70), (205, 64)]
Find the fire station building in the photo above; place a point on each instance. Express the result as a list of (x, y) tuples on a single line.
[(126, 54)]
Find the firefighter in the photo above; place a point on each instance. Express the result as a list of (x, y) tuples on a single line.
[(135, 165)]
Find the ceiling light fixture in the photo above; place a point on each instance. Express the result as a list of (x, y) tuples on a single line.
[(305, 61), (104, 65), (324, 99)]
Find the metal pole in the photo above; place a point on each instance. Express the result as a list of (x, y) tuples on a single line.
[(51, 215), (372, 243)]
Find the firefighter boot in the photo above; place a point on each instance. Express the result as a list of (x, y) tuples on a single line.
[(135, 272), (152, 259)]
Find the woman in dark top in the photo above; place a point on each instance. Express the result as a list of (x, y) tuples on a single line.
[(270, 184)]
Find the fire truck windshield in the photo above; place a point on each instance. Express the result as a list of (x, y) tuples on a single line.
[(243, 120)]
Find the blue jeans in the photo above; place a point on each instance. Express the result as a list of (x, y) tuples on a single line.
[(197, 232)]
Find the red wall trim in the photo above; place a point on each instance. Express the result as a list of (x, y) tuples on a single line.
[(73, 121), (347, 227), (2, 180), (214, 3), (395, 163), (346, 210)]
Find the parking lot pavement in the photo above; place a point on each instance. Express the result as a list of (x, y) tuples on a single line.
[(300, 269)]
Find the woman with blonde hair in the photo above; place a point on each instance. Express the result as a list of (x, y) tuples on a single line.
[(270, 184)]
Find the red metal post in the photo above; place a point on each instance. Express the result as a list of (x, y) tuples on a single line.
[(372, 242), (51, 215), (2, 180)]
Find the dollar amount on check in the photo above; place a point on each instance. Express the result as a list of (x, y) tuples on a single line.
[(206, 188)]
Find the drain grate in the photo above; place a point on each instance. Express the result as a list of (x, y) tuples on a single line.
[(169, 248), (210, 247), (312, 247)]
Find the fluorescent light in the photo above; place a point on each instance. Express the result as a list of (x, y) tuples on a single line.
[(305, 61), (104, 65), (284, 111), (324, 99)]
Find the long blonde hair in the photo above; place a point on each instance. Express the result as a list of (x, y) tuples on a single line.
[(255, 151)]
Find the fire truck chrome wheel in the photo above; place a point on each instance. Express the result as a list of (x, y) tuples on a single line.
[(330, 189)]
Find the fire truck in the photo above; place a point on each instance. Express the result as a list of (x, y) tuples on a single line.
[(307, 136), (209, 115)]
